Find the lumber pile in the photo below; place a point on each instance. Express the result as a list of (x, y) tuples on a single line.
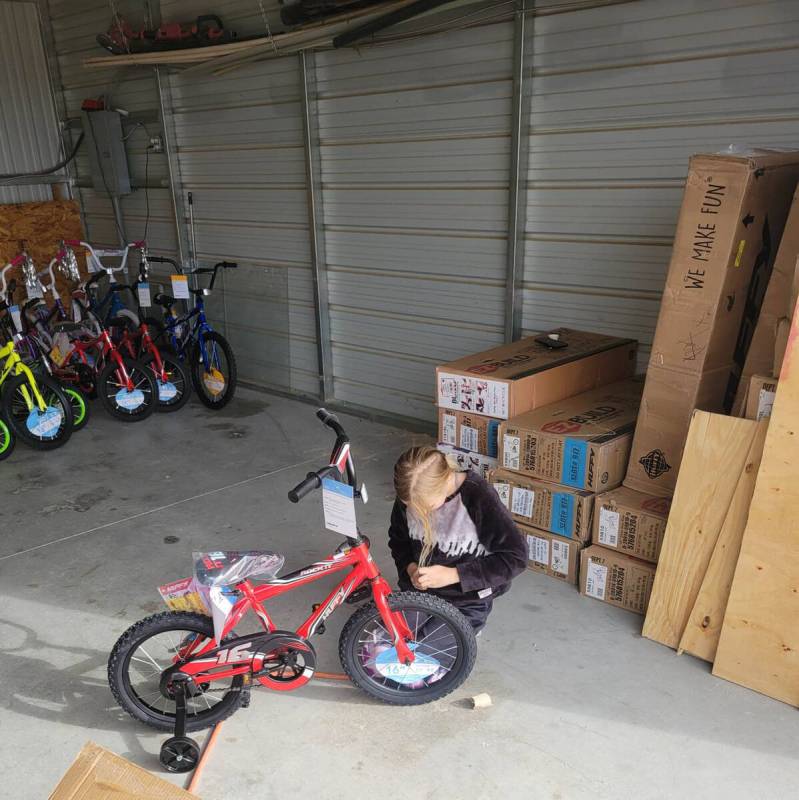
[(726, 587)]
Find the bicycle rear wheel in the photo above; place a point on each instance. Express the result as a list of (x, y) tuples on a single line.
[(443, 644), (216, 384), (42, 429), (149, 647)]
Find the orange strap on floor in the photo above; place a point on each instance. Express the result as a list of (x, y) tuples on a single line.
[(198, 770)]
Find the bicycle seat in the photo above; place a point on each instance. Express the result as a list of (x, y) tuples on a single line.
[(165, 300), (228, 567)]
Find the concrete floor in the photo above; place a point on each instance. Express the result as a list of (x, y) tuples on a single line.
[(583, 707)]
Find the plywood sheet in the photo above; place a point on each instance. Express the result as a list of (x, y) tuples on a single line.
[(759, 644), (715, 454), (701, 635)]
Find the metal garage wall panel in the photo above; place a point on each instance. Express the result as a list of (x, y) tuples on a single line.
[(622, 96), (415, 169), (29, 138), (241, 154)]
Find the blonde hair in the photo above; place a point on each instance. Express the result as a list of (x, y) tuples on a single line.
[(420, 474)]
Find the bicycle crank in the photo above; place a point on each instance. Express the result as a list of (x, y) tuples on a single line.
[(287, 667)]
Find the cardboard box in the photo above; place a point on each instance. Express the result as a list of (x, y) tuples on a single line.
[(98, 774), (468, 431), (527, 374), (776, 310), (548, 506), (552, 554), (760, 397), (615, 578), (631, 522), (582, 442), (481, 464), (732, 217)]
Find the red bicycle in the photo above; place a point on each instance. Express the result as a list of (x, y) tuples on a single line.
[(174, 671)]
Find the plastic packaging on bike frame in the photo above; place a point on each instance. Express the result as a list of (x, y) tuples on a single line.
[(229, 567)]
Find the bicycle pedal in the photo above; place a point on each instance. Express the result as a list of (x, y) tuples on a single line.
[(359, 595), (245, 698)]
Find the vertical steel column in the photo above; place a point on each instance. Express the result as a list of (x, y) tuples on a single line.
[(172, 165), (517, 195), (313, 185)]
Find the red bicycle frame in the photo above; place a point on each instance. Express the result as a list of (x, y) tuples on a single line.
[(128, 341), (212, 662)]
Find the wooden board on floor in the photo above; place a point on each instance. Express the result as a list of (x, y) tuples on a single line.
[(701, 635), (759, 644), (715, 454)]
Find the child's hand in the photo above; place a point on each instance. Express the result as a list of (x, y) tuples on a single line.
[(412, 569), (434, 577)]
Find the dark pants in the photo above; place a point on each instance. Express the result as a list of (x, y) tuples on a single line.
[(476, 611)]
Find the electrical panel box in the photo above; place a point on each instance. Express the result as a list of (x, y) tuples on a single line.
[(109, 163)]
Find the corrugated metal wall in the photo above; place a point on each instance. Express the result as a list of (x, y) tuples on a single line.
[(622, 96), (29, 138), (415, 141), (415, 168)]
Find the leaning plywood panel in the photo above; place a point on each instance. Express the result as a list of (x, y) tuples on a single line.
[(715, 454), (701, 635), (759, 645)]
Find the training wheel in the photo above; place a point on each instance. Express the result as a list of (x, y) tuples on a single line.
[(179, 754)]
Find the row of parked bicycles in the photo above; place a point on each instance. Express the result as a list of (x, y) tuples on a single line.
[(136, 351)]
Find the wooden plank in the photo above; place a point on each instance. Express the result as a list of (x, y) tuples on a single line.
[(715, 454), (759, 644), (701, 635)]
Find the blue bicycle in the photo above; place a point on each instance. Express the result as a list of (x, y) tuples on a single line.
[(212, 365)]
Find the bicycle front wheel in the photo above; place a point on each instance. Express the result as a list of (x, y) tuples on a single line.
[(129, 403), (41, 428), (7, 441), (213, 370), (174, 386), (443, 644)]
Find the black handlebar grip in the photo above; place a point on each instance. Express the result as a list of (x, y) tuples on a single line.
[(326, 416), (311, 482), (227, 264)]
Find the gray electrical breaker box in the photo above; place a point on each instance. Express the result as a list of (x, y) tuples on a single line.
[(109, 163)]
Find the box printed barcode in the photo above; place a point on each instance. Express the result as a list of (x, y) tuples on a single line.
[(596, 579), (560, 557), (450, 425), (522, 502), (608, 527), (468, 438), (510, 451)]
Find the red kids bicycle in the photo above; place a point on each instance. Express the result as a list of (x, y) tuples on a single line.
[(181, 671)]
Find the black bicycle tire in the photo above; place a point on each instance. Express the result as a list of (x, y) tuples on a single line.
[(119, 683), (397, 600), (196, 370), (168, 408), (20, 431), (110, 407)]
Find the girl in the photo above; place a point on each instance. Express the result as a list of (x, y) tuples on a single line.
[(451, 535)]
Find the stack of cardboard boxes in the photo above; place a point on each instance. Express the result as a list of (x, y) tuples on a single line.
[(548, 420), (732, 218)]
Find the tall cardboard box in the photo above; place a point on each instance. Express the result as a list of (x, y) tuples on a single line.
[(477, 462), (468, 431), (552, 554), (532, 372), (778, 288), (549, 506), (732, 217), (615, 578), (631, 522), (582, 442)]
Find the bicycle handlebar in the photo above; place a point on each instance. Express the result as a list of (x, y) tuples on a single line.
[(163, 260)]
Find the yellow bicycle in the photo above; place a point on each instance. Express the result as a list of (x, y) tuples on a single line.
[(35, 407)]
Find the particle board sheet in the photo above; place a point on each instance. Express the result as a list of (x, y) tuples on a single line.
[(715, 454), (701, 635), (759, 644)]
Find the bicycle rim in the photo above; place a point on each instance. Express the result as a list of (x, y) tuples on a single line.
[(78, 404), (5, 438)]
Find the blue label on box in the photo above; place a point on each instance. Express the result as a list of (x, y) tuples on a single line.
[(492, 431), (575, 454), (560, 521)]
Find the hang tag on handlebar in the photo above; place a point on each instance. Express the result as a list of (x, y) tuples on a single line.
[(16, 318), (180, 287), (338, 502), (143, 290)]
